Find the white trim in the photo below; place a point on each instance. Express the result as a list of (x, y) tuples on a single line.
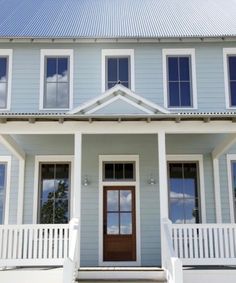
[(226, 52), (50, 158), (198, 158), (191, 53), (9, 54), (56, 52), (7, 159), (134, 158), (118, 52), (216, 178), (230, 158), (119, 91)]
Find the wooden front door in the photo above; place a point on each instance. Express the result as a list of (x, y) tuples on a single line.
[(119, 227)]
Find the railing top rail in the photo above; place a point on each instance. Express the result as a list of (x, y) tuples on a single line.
[(204, 225), (34, 226)]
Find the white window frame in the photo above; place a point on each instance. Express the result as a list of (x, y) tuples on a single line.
[(8, 53), (230, 158), (180, 52), (199, 159), (56, 52), (226, 53), (51, 158), (135, 183), (117, 53), (7, 160)]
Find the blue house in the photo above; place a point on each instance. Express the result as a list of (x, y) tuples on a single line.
[(117, 140)]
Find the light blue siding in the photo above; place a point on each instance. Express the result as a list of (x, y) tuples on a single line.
[(148, 72)]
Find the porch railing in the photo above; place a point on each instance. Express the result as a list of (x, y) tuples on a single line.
[(33, 245), (205, 244)]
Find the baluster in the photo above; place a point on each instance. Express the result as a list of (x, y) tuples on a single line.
[(210, 235)]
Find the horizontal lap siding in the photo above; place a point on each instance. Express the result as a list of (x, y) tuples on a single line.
[(148, 72), (146, 148)]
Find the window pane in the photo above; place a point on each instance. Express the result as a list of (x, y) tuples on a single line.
[(63, 69), (232, 67), (176, 180), (112, 70), (119, 171), (184, 68), (129, 171), (51, 95), (233, 93), (3, 95), (174, 94), (177, 211), (62, 95), (190, 180), (112, 223), (112, 200), (3, 69), (123, 69), (126, 223), (173, 68), (51, 74), (109, 171), (125, 200), (185, 94)]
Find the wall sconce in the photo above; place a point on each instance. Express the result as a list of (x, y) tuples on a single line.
[(85, 181), (151, 180)]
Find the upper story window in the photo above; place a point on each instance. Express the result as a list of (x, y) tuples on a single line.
[(117, 68), (56, 79), (117, 71), (179, 78), (230, 76), (5, 78)]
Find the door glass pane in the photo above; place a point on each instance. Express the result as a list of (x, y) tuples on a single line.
[(176, 180), (61, 211), (177, 211), (125, 200), (190, 180), (112, 223), (190, 211), (126, 223), (112, 200), (48, 185)]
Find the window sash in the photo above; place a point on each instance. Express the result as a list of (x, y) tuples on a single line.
[(231, 83), (57, 85), (54, 199), (123, 82), (185, 199), (4, 93), (180, 83)]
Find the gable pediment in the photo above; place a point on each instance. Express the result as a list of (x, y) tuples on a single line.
[(119, 100)]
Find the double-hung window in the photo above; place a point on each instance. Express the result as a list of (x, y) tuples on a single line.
[(117, 68), (230, 76), (56, 79), (179, 78), (5, 78)]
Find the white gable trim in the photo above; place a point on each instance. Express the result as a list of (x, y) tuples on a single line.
[(123, 93)]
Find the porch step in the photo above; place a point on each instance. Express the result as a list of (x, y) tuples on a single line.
[(121, 274)]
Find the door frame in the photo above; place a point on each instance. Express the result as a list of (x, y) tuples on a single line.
[(135, 184)]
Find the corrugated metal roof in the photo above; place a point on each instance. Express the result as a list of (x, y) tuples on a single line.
[(117, 18)]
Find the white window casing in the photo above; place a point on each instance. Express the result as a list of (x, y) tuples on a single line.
[(230, 159), (118, 52), (9, 54), (56, 52), (181, 52), (226, 53)]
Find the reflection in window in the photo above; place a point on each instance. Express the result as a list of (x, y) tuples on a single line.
[(3, 81), (232, 79), (179, 81), (54, 193), (119, 212), (117, 71), (183, 193), (56, 82), (2, 190)]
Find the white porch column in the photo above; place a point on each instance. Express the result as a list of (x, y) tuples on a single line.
[(163, 187), (77, 185)]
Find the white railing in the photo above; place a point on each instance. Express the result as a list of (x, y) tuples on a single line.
[(171, 263), (205, 244), (71, 264), (33, 245)]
